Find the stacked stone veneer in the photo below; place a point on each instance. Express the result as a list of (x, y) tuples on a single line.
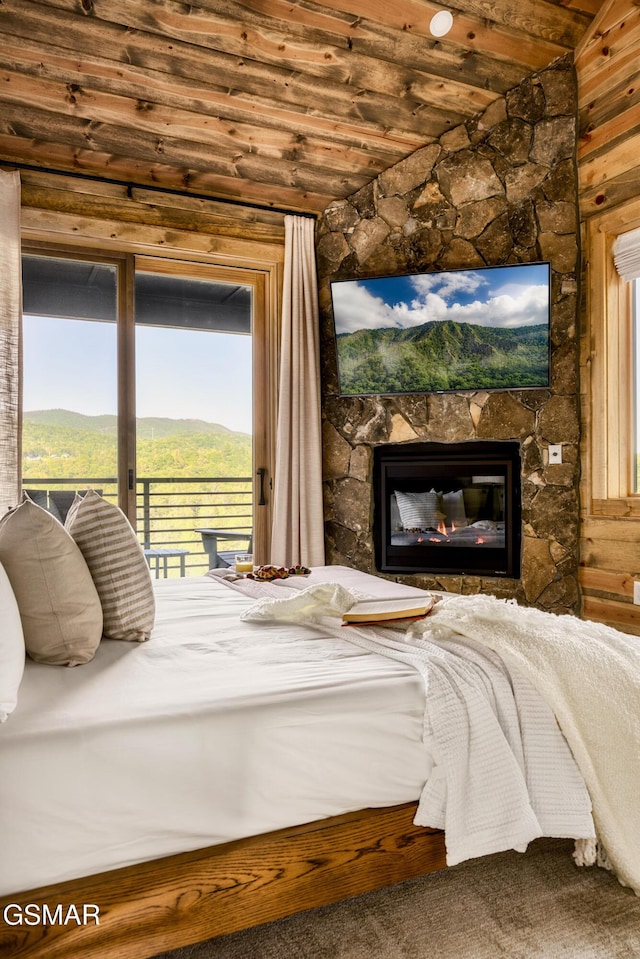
[(499, 189)]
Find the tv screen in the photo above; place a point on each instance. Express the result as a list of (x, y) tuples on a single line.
[(478, 329)]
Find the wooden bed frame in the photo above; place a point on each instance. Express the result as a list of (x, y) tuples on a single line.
[(157, 906)]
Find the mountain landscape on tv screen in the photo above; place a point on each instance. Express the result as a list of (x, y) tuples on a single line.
[(443, 355)]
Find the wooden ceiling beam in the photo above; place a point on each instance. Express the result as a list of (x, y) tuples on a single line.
[(368, 57), (536, 18), (20, 55), (155, 173), (559, 23), (147, 147), (236, 80), (220, 137), (363, 21), (264, 41)]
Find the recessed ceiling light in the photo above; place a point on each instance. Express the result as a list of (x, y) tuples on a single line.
[(441, 23)]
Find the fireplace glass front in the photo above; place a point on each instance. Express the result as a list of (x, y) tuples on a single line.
[(448, 508)]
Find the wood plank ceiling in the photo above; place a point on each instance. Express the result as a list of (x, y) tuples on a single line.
[(280, 103)]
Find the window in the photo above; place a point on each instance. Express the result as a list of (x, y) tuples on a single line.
[(611, 369), (626, 256), (145, 377)]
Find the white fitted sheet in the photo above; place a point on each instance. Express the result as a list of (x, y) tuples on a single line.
[(213, 730)]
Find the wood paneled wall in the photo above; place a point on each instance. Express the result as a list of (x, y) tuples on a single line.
[(608, 69), (67, 209)]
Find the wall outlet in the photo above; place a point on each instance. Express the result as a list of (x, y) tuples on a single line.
[(636, 592), (555, 453)]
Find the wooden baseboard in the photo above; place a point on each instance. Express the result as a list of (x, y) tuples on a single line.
[(154, 907)]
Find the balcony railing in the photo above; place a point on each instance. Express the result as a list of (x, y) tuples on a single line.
[(169, 510)]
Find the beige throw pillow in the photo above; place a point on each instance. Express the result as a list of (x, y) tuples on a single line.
[(118, 566), (454, 509), (58, 602), (11, 647)]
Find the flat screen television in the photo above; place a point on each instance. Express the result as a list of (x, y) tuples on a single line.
[(484, 328)]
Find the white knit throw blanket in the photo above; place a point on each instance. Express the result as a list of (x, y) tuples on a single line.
[(503, 774), (590, 676)]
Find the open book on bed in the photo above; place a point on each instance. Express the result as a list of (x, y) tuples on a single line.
[(388, 612)]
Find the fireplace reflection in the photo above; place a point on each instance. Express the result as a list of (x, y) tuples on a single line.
[(470, 514), (447, 508)]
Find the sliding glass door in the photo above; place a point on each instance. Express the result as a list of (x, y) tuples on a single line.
[(145, 377)]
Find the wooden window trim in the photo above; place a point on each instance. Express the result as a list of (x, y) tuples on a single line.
[(609, 361)]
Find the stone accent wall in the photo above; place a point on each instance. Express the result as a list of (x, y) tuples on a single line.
[(499, 189)]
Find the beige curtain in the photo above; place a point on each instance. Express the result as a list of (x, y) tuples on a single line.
[(10, 340), (298, 523)]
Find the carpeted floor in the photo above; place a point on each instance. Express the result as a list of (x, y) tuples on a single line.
[(509, 906)]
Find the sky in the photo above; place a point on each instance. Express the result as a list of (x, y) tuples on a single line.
[(180, 374), (499, 296)]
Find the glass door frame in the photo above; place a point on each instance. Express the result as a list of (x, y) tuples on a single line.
[(265, 339)]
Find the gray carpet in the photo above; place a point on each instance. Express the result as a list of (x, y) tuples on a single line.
[(533, 906)]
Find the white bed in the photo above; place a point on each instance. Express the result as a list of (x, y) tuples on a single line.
[(211, 731), (172, 781)]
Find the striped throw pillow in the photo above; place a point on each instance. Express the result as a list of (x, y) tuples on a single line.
[(117, 565), (419, 510)]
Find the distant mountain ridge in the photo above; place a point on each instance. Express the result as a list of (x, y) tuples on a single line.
[(64, 443), (147, 427), (443, 355)]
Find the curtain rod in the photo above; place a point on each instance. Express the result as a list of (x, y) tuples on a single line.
[(130, 186)]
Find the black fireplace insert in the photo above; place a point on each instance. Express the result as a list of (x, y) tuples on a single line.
[(447, 508)]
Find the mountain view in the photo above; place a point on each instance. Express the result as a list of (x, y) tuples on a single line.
[(444, 355), (66, 445), (63, 443)]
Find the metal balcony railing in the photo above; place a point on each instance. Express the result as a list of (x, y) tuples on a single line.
[(170, 510)]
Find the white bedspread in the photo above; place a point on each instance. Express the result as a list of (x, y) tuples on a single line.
[(213, 730), (502, 773), (217, 729)]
